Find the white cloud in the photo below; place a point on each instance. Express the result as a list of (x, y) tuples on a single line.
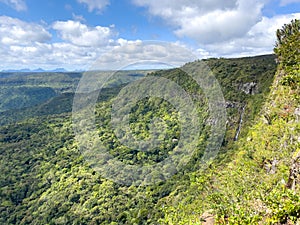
[(28, 45), (78, 17), (95, 4), (18, 5), (207, 21), (171, 9), (127, 53), (259, 40), (49, 56), (82, 35), (221, 28), (287, 2), (15, 31)]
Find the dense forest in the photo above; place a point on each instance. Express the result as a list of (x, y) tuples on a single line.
[(254, 179)]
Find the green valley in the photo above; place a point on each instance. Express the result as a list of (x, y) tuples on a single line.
[(255, 178)]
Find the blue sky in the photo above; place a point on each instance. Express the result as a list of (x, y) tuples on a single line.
[(73, 34)]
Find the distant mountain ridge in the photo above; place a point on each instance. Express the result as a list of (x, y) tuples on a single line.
[(38, 70)]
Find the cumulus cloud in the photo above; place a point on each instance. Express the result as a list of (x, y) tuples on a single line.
[(260, 39), (221, 28), (127, 53), (18, 5), (207, 21), (82, 35), (29, 45), (169, 9), (49, 56), (26, 44), (95, 4), (16, 32)]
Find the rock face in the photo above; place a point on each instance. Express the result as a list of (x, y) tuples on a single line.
[(229, 104), (249, 88), (297, 113), (208, 218), (294, 177), (271, 166)]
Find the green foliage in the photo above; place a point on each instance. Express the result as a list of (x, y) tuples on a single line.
[(249, 184), (292, 79), (25, 95), (285, 206), (45, 179), (21, 97), (288, 44)]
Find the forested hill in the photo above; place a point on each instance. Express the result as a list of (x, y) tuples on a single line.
[(260, 182), (46, 180)]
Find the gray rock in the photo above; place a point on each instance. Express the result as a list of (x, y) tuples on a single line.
[(230, 105), (249, 88), (297, 113), (294, 177), (271, 166)]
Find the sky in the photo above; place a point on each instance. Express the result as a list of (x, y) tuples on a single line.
[(74, 34)]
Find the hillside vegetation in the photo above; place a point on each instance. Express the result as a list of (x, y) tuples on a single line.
[(259, 182), (254, 180)]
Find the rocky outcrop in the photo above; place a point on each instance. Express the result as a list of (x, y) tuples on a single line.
[(294, 177), (271, 166), (208, 218), (229, 104), (249, 88), (297, 113)]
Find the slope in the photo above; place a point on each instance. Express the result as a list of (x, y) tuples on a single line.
[(259, 182)]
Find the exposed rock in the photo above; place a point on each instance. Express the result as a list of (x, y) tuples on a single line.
[(207, 218), (271, 166), (294, 177), (266, 118), (297, 113), (230, 105), (249, 88)]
